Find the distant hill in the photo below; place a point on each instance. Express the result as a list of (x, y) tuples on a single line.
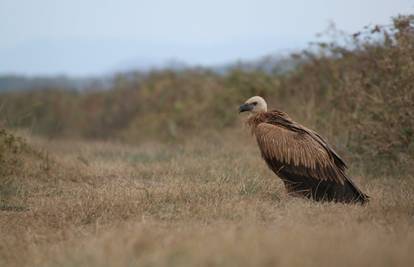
[(269, 64), (17, 82)]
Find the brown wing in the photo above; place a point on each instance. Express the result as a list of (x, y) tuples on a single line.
[(298, 152)]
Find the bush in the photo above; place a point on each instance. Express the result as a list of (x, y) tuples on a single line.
[(11, 163)]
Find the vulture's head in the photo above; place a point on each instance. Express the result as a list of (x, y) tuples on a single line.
[(254, 104)]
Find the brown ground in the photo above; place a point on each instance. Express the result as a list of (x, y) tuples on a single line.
[(206, 203)]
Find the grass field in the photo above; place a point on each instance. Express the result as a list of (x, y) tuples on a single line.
[(208, 202)]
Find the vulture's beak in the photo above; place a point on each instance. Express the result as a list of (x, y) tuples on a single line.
[(245, 107)]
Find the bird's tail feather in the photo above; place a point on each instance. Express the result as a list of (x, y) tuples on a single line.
[(359, 196)]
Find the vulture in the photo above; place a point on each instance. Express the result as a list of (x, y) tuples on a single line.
[(306, 163)]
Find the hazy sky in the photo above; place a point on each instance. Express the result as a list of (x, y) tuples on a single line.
[(83, 37)]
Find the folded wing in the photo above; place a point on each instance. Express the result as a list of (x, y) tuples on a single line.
[(299, 151)]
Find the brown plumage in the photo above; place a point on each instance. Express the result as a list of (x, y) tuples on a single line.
[(305, 162)]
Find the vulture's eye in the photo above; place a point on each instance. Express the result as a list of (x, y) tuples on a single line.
[(254, 103)]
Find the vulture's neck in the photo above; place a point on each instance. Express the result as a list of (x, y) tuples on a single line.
[(272, 117)]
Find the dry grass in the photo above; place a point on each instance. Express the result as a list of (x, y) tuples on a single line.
[(205, 203)]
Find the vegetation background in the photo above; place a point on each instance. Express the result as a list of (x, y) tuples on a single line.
[(158, 170)]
